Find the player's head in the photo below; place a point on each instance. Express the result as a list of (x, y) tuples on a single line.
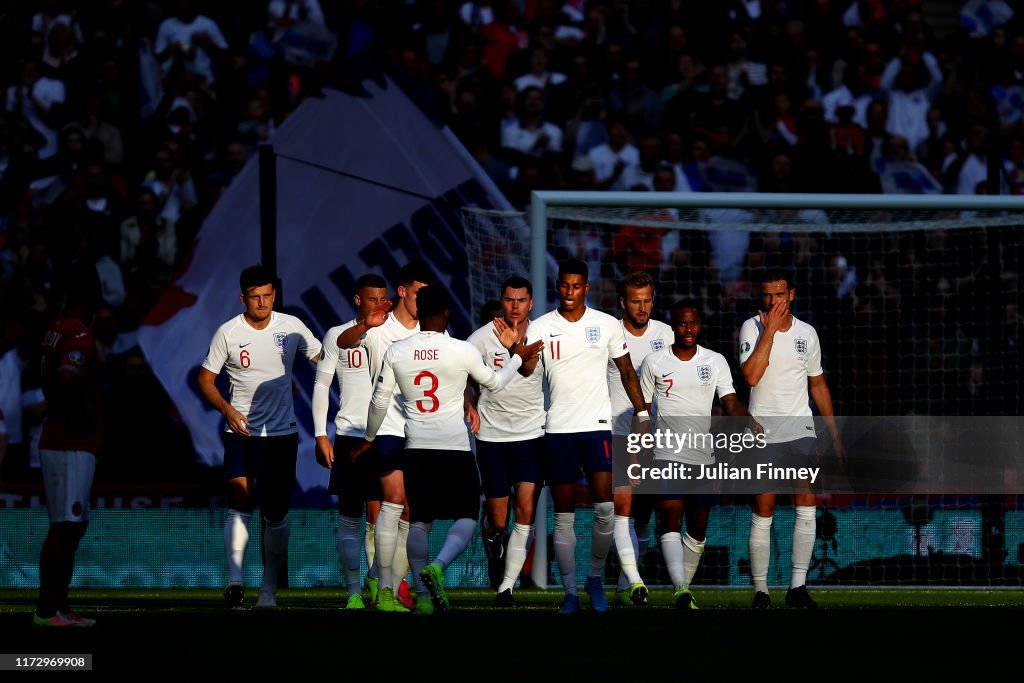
[(411, 278), (516, 299), (257, 286), (776, 286), (573, 284), (686, 323), (433, 303), (636, 298), (371, 293)]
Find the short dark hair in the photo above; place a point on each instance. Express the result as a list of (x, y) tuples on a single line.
[(573, 266), (636, 280), (432, 300), (371, 280), (489, 311), (415, 271), (684, 304), (256, 276), (775, 275), (516, 282)]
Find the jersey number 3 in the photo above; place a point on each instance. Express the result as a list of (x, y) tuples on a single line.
[(430, 393)]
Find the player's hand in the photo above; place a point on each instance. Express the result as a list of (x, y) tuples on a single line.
[(775, 318), (324, 452), (377, 317), (472, 418), (528, 352), (358, 450), (506, 334), (633, 481), (755, 427), (237, 422)]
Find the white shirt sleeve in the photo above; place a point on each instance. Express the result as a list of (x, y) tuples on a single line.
[(218, 353), (488, 378), (616, 341), (748, 339), (309, 345), (814, 356), (384, 389), (724, 386), (325, 371), (647, 381)]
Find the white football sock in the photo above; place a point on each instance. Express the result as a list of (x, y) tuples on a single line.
[(623, 583), (565, 549), (458, 538), (624, 548), (515, 555), (601, 542), (417, 552), (400, 565), (672, 552), (348, 551), (760, 543), (236, 538), (275, 546), (368, 547), (692, 550), (386, 539), (803, 543)]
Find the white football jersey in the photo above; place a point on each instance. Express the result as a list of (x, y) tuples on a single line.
[(352, 370), (685, 389), (575, 359), (515, 413), (259, 365), (782, 391), (430, 369), (377, 342), (656, 337)]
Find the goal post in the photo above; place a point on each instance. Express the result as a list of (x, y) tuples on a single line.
[(894, 337)]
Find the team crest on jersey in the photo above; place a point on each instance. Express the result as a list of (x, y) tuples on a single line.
[(745, 347), (657, 344), (77, 357), (704, 374), (593, 334), (279, 339), (801, 346)]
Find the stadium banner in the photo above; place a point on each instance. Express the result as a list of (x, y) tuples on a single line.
[(907, 455), (366, 183)]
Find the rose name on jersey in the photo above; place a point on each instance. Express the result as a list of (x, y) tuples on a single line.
[(425, 354)]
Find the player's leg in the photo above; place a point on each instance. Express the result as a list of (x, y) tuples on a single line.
[(524, 469), (760, 545), (562, 471), (631, 588), (643, 507), (390, 463), (418, 473), (596, 457), (697, 509), (803, 453), (670, 521), (348, 484), (490, 458), (371, 582), (275, 481), (240, 464), (67, 480)]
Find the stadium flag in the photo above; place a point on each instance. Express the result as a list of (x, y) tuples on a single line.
[(908, 177), (366, 183)]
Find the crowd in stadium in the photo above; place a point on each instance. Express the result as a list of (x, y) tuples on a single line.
[(122, 124)]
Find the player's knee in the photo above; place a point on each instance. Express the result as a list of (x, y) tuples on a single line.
[(604, 513)]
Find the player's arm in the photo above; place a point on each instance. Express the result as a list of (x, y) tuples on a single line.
[(325, 372), (469, 405), (648, 382), (353, 336), (630, 382), (755, 364), (822, 397), (208, 390), (378, 409), (309, 344)]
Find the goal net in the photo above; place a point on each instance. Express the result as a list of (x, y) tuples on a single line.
[(917, 308)]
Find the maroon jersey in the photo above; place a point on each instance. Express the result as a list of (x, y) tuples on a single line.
[(73, 418)]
